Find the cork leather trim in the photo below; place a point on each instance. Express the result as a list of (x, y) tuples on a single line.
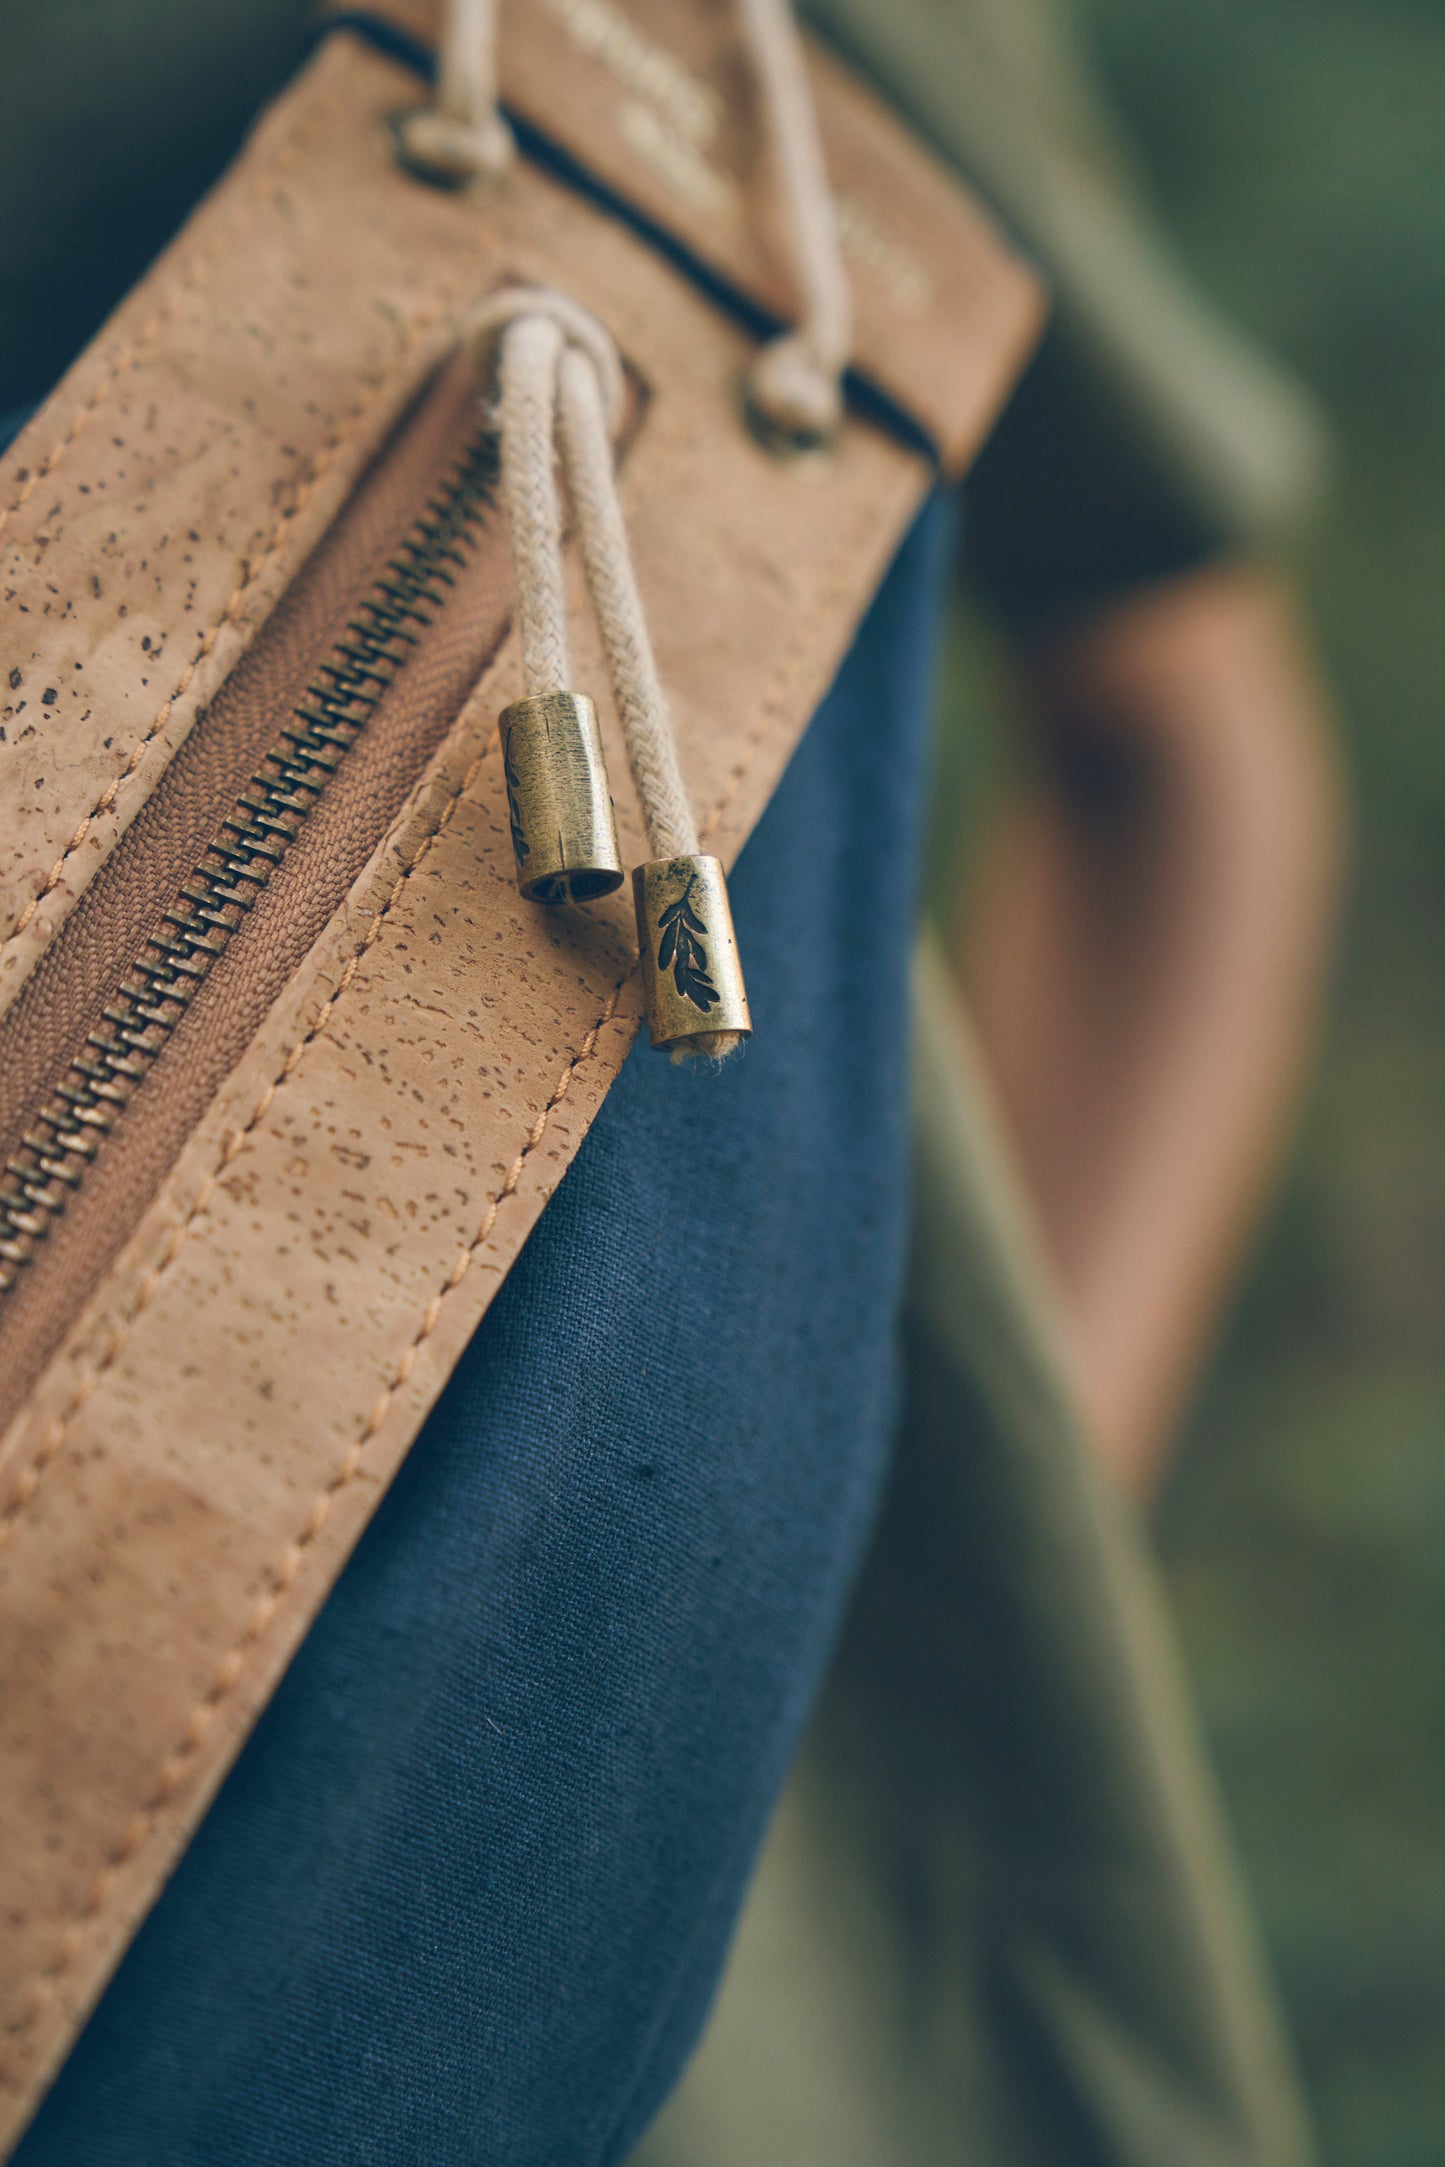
[(658, 100), (152, 516), (195, 1465)]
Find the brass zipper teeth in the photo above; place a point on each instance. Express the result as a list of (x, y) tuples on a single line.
[(86, 1104)]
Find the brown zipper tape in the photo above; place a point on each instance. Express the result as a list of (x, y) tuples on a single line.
[(200, 1451), (236, 862)]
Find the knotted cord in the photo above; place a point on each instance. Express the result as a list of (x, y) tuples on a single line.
[(462, 138), (560, 390), (795, 385)]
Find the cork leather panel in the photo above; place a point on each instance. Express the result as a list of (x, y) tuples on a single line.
[(156, 507), (659, 99), (159, 503), (192, 1470)]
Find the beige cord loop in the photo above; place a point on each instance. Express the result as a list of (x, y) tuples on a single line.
[(795, 386), (486, 324), (560, 387), (560, 382), (462, 139)]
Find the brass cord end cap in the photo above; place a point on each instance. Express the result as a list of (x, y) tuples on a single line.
[(692, 977), (563, 832)]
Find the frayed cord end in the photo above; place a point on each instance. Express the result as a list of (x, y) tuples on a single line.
[(714, 1046)]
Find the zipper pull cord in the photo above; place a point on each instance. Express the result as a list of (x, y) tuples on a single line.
[(564, 835), (794, 390), (612, 582), (561, 388)]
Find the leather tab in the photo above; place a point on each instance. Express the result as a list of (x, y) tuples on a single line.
[(657, 100)]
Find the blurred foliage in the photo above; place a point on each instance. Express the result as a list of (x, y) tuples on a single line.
[(1298, 153), (1297, 150)]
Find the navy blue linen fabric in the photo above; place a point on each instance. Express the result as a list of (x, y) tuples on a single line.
[(466, 1894)]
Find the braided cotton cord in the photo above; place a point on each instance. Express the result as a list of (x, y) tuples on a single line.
[(796, 382), (641, 705), (531, 348), (524, 331), (560, 384), (467, 62), (463, 137), (795, 386)]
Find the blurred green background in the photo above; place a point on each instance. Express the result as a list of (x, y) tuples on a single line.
[(1297, 150)]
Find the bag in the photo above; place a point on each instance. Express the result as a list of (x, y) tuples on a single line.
[(280, 1140)]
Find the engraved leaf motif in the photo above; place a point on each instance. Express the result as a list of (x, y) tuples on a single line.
[(683, 950), (520, 844)]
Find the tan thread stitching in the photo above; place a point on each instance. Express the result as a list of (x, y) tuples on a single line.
[(142, 1823), (346, 431), (126, 357), (275, 169), (29, 1481), (189, 283)]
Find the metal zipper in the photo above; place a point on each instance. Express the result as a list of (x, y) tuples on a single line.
[(87, 1104), (249, 842)]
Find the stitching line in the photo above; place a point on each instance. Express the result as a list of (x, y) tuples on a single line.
[(345, 432), (189, 283), (29, 1481), (125, 357), (143, 1822)]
